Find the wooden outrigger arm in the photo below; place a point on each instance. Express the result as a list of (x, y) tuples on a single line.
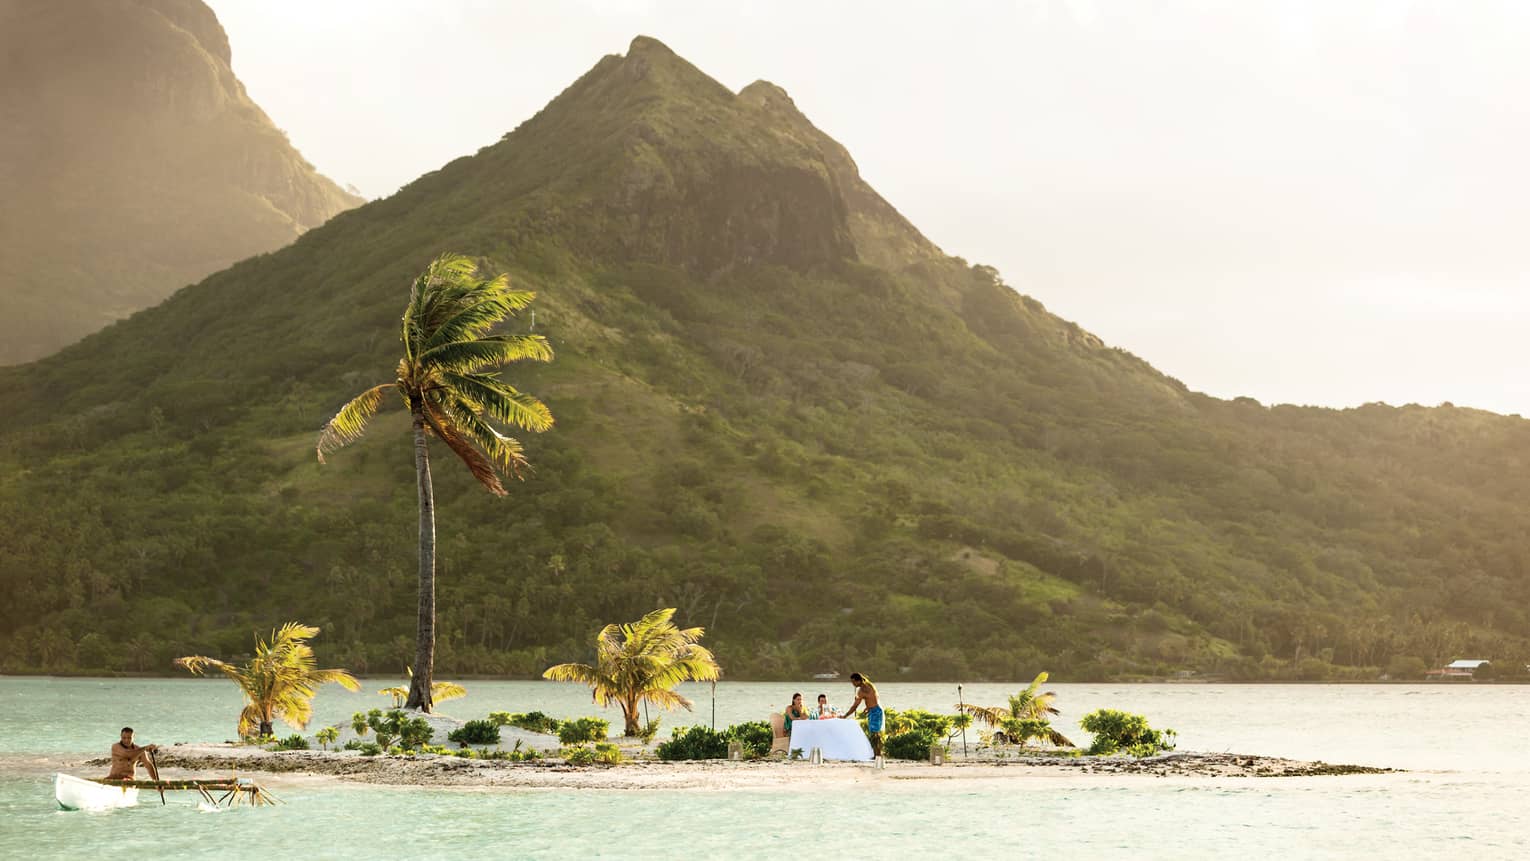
[(235, 790)]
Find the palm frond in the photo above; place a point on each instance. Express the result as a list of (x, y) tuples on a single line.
[(468, 356), (986, 714), (506, 452), (491, 303), (499, 400), (479, 465), (350, 422)]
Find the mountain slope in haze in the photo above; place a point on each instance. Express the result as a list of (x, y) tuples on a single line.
[(133, 163), (780, 409)]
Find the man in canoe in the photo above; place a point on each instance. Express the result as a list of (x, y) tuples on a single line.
[(866, 694), (126, 756)]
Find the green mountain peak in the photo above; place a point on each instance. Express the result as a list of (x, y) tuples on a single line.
[(780, 409)]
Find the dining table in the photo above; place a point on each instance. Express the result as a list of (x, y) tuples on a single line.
[(836, 738)]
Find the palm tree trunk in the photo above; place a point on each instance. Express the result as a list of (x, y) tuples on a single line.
[(629, 713), (425, 641)]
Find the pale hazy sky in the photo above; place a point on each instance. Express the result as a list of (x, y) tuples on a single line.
[(1318, 202)]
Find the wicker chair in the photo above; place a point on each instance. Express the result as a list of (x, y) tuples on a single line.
[(779, 740)]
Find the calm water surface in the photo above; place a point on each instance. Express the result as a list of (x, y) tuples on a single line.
[(1466, 793)]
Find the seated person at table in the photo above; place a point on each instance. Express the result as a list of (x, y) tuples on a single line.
[(824, 709), (795, 711), (866, 694)]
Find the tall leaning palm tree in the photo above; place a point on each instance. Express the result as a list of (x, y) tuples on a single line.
[(279, 682), (641, 662), (1027, 705), (448, 379)]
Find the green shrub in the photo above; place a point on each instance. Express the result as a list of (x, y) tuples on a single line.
[(1022, 730), (354, 744), (650, 729), (913, 720), (910, 744), (439, 750), (696, 742), (369, 748), (1120, 732), (530, 721), (409, 733), (754, 736), (292, 742), (582, 730), (475, 732), (581, 755)]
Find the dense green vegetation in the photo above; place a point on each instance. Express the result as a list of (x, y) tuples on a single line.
[(780, 410), (1121, 732)]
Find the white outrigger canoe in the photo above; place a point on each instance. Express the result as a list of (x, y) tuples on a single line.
[(75, 793), (78, 793)]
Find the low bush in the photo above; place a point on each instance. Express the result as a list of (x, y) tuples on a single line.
[(696, 742), (369, 748), (354, 744), (475, 732), (530, 721), (1021, 730), (603, 752), (511, 755), (754, 736), (583, 730), (396, 726), (910, 744), (1120, 732), (292, 742)]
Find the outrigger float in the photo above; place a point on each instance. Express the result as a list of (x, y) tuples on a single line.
[(78, 793)]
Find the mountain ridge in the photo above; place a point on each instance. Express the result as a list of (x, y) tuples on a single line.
[(829, 443), (134, 163)]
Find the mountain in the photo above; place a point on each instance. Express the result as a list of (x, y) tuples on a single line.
[(133, 163), (780, 409)]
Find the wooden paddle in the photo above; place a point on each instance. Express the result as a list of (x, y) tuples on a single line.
[(154, 773)]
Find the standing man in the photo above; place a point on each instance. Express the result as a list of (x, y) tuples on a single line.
[(126, 756), (866, 694)]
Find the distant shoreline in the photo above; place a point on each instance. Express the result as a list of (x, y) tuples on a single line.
[(29, 674)]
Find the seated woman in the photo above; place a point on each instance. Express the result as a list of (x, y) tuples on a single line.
[(795, 711), (824, 709)]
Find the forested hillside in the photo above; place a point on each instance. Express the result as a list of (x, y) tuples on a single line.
[(779, 408)]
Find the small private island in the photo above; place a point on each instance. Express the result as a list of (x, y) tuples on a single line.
[(447, 379)]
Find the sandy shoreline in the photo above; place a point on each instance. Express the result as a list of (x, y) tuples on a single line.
[(184, 760)]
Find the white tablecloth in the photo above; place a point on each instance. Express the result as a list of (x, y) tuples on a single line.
[(837, 738)]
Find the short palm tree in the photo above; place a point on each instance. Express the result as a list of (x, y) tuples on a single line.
[(448, 379), (1027, 705), (641, 662), (278, 682), (439, 691)]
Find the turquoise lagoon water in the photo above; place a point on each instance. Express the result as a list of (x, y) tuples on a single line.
[(1465, 793)]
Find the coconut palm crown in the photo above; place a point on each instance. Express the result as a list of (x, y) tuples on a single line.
[(1030, 705), (641, 662), (448, 380), (278, 682)]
